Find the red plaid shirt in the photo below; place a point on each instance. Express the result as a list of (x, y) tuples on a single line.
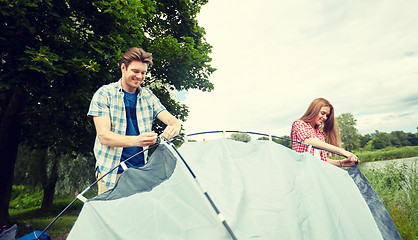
[(301, 131)]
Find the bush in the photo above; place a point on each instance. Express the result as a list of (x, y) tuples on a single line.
[(24, 197)]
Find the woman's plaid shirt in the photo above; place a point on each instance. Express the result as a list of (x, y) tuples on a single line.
[(301, 131)]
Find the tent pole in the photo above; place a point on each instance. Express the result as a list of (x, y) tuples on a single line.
[(218, 213), (260, 134)]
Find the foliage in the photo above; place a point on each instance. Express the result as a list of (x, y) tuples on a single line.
[(397, 187), (380, 140), (76, 171), (25, 197), (242, 137), (352, 140), (365, 139), (54, 54), (348, 132), (283, 140)]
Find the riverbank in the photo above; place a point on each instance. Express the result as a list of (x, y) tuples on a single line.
[(389, 153), (396, 183)]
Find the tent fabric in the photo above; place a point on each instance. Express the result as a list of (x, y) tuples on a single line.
[(143, 179), (264, 190), (382, 218), (173, 209)]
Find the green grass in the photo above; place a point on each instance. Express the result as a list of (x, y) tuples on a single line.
[(397, 187), (40, 220)]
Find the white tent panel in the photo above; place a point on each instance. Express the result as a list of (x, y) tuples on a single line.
[(265, 191)]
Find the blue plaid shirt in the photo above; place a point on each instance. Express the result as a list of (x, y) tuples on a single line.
[(108, 101)]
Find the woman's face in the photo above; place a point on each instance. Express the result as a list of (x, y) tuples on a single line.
[(321, 117)]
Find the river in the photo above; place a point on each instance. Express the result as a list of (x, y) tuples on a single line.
[(382, 164)]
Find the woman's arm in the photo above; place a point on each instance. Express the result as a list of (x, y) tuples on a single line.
[(350, 160)]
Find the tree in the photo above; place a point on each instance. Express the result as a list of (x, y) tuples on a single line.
[(242, 137), (349, 135), (381, 140), (413, 139), (365, 139), (54, 54), (75, 171), (282, 140), (394, 141)]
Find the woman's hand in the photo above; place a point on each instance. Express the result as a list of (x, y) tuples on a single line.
[(353, 158), (346, 163), (350, 161)]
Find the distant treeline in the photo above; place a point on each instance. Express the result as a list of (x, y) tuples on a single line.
[(380, 140), (367, 142)]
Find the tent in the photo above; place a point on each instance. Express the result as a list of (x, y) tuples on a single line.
[(225, 189)]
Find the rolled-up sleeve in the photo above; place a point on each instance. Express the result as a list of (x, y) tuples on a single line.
[(99, 105), (302, 131)]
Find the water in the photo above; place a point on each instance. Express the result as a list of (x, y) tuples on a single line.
[(382, 164)]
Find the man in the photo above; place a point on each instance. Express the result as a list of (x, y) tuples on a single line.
[(123, 113)]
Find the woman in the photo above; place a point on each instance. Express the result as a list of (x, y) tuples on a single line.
[(318, 128)]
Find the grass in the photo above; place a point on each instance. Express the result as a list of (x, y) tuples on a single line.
[(397, 187), (32, 218)]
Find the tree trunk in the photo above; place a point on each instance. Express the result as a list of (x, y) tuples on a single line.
[(49, 180), (48, 200), (11, 103)]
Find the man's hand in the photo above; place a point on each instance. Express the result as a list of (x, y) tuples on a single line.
[(146, 139), (170, 132)]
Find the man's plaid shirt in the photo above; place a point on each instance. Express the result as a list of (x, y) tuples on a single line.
[(301, 131), (108, 101)]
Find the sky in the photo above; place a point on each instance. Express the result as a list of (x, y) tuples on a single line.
[(273, 57)]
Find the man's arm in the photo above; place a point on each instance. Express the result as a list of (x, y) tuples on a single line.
[(173, 125), (109, 138)]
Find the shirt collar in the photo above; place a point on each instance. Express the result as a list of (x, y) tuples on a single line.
[(120, 89)]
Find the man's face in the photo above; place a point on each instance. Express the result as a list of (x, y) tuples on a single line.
[(133, 76)]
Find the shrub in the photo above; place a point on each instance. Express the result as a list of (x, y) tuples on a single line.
[(24, 197)]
